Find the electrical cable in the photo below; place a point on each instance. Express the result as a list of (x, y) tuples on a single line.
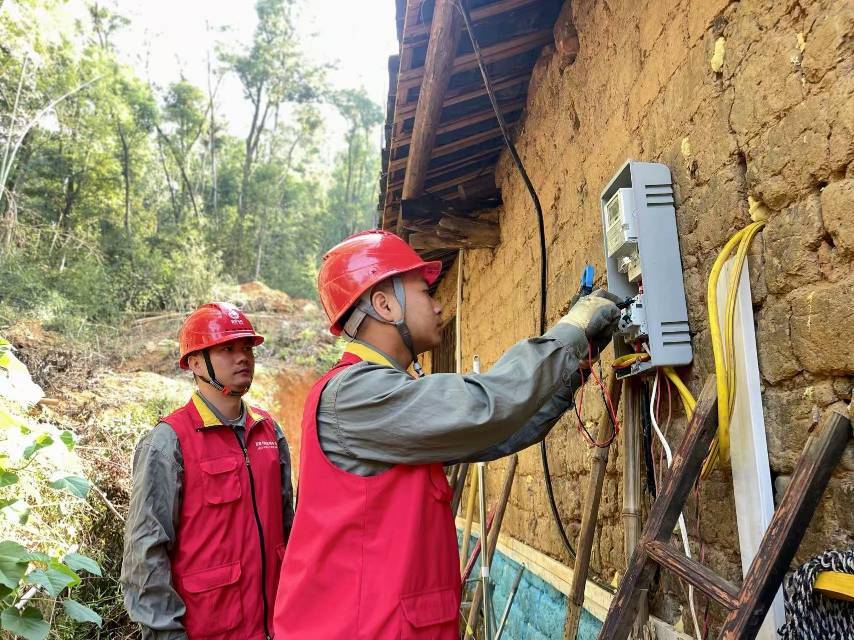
[(606, 400), (683, 530), (646, 439), (723, 348), (543, 260)]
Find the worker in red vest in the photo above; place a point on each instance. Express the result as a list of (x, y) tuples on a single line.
[(212, 503), (373, 553)]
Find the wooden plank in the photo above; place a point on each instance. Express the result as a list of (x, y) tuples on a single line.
[(407, 110), (721, 591), (444, 38), (421, 241), (493, 53), (416, 33), (466, 121), (788, 527), (439, 187), (473, 158), (462, 179), (687, 462), (429, 208), (445, 149)]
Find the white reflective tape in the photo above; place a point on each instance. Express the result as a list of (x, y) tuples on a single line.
[(484, 572)]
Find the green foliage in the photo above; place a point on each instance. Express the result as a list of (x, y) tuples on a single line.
[(119, 198), (34, 581)]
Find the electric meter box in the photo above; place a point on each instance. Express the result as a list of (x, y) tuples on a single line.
[(643, 262)]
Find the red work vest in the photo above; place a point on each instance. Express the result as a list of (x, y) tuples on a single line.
[(219, 567), (369, 558)]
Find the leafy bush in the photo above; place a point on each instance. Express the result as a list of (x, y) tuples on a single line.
[(41, 487)]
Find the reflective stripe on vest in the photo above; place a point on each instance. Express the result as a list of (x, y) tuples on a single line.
[(369, 558)]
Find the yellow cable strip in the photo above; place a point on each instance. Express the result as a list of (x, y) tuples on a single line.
[(723, 348), (628, 360)]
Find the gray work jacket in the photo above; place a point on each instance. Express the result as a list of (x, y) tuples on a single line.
[(155, 507), (374, 415)]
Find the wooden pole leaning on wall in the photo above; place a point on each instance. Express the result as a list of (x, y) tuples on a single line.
[(589, 513), (492, 542)]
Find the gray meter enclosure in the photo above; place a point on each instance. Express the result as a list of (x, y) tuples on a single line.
[(647, 252)]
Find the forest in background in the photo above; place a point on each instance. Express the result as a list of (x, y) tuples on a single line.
[(120, 196), (123, 205)]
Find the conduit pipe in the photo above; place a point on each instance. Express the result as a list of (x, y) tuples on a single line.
[(632, 483)]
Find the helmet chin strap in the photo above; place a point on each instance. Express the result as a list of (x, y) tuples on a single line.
[(216, 384), (365, 308)]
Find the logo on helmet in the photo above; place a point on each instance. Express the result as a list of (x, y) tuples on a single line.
[(234, 314)]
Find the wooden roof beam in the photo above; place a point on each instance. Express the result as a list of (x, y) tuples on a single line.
[(444, 37), (468, 61), (445, 149), (417, 31), (453, 166), (467, 121), (408, 110)]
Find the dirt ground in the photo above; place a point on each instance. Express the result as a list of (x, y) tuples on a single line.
[(113, 388)]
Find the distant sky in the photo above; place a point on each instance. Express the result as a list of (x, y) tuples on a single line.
[(356, 35)]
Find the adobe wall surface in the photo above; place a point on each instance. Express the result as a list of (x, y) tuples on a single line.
[(740, 99)]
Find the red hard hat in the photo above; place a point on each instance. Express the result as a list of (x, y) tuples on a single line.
[(355, 265), (212, 324)]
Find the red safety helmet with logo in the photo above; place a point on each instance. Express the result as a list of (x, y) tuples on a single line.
[(212, 324), (358, 263)]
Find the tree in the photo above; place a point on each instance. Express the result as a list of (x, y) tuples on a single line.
[(273, 72), (352, 196)]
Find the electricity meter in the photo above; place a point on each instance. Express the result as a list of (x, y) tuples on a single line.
[(620, 235), (644, 264)]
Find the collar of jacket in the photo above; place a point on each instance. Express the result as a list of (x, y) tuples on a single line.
[(370, 354), (209, 419)]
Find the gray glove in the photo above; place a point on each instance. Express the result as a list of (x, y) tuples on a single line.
[(596, 315)]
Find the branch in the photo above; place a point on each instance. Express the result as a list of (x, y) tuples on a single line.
[(7, 167)]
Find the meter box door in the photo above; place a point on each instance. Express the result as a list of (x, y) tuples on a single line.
[(644, 263)]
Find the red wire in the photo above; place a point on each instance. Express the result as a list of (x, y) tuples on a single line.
[(608, 402)]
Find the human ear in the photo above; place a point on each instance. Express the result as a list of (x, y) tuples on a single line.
[(385, 305)]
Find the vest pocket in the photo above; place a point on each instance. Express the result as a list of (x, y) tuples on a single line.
[(429, 615), (212, 597), (221, 481)]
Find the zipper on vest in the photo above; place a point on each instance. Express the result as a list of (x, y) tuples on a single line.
[(260, 532)]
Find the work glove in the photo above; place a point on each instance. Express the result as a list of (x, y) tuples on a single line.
[(597, 316)]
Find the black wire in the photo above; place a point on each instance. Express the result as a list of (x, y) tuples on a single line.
[(647, 441), (543, 264)]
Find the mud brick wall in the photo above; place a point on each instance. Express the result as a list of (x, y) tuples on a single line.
[(746, 102)]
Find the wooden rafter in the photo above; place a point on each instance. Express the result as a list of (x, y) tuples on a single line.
[(454, 166), (451, 147), (467, 121), (405, 111), (493, 53), (444, 37), (416, 33)]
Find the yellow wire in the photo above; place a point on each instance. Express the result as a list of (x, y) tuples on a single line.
[(723, 348), (629, 359), (688, 401)]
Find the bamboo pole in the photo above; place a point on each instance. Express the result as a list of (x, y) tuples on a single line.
[(464, 544), (492, 543), (589, 513)]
